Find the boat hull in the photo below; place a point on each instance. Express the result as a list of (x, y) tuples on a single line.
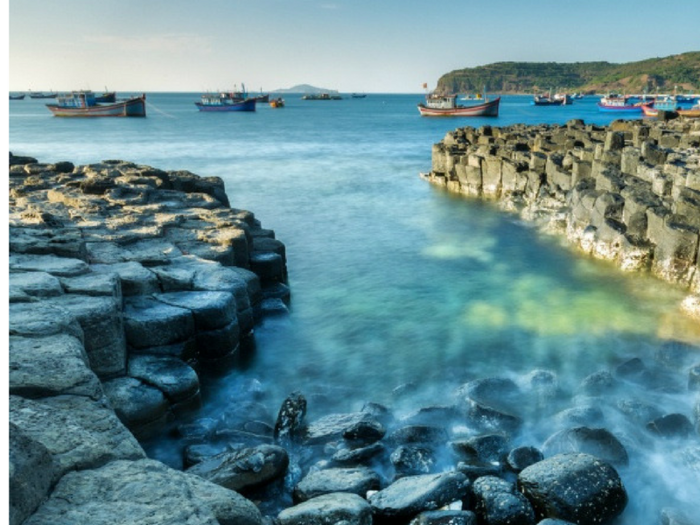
[(689, 113), (619, 109), (487, 109), (244, 105), (133, 107)]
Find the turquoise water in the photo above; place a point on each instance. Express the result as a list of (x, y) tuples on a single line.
[(393, 281)]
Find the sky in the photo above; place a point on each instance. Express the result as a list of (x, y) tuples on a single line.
[(372, 46)]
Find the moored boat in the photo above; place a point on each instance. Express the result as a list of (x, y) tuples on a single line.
[(618, 103), (39, 94), (445, 106), (84, 104), (107, 96), (693, 112), (225, 102), (277, 103), (321, 96), (546, 100), (17, 97)]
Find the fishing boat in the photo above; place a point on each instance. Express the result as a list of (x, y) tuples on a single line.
[(445, 106), (618, 103), (546, 100), (17, 97), (321, 96), (84, 104), (225, 101), (358, 95), (277, 103), (39, 94), (107, 96), (651, 109), (693, 112)]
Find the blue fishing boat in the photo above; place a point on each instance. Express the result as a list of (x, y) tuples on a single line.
[(225, 101)]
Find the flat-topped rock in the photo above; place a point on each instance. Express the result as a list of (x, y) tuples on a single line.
[(51, 366), (143, 492)]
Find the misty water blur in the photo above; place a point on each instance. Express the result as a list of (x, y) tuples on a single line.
[(396, 283)]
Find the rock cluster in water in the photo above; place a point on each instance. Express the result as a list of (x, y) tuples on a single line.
[(123, 278), (628, 192)]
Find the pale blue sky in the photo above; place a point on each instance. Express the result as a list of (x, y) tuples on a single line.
[(349, 45)]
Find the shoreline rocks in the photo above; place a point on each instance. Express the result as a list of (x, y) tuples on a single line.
[(124, 281), (628, 193)]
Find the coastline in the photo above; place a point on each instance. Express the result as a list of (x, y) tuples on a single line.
[(628, 193), (120, 274)]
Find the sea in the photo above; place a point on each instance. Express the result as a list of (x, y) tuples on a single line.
[(396, 285)]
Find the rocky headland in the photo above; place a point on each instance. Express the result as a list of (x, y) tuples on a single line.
[(126, 281), (627, 193)]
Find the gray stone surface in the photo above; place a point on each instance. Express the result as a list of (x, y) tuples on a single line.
[(211, 310), (51, 366), (40, 319), (354, 480), (148, 322), (244, 468), (32, 473), (78, 432), (172, 376), (348, 509), (410, 495), (143, 492)]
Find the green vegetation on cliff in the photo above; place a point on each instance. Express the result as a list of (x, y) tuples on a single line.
[(654, 74)]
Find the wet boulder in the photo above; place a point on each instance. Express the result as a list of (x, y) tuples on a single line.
[(597, 442), (366, 431), (358, 456), (331, 427), (486, 448), (498, 393), (417, 434), (497, 502), (411, 460), (520, 458), (290, 418), (671, 426), (246, 468), (326, 481), (410, 495), (345, 508), (574, 487)]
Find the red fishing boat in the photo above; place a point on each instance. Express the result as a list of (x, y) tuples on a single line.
[(617, 103), (446, 106)]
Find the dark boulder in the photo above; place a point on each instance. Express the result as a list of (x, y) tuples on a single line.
[(575, 487), (497, 502), (597, 442), (357, 456), (411, 460), (520, 458), (485, 448), (671, 426), (364, 432), (417, 434), (245, 468), (290, 418)]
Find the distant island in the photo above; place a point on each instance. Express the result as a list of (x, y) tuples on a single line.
[(679, 72), (305, 89)]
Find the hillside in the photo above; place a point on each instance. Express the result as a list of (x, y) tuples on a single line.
[(653, 74), (305, 89)]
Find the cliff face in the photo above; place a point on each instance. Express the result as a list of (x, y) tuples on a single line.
[(663, 74), (628, 193)]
